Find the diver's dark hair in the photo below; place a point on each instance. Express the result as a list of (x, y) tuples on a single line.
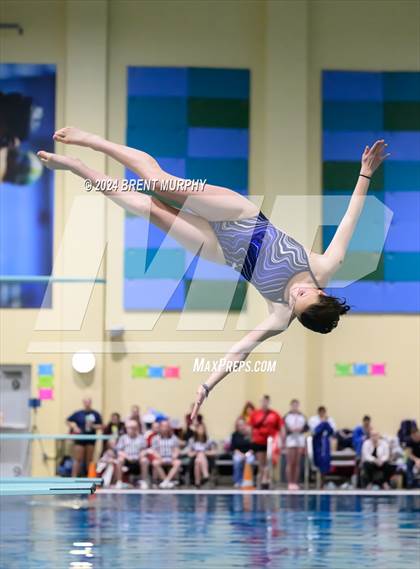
[(323, 316)]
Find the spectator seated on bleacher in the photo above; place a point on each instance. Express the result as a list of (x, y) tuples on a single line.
[(165, 446), (131, 458), (375, 462), (413, 459), (247, 411), (406, 428), (106, 465), (360, 434), (135, 415), (202, 452), (190, 425), (115, 427), (241, 448)]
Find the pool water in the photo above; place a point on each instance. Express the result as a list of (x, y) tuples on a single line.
[(167, 531)]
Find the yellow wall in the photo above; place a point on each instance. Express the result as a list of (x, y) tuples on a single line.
[(286, 45)]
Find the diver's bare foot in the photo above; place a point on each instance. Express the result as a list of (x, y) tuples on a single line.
[(73, 135), (56, 161)]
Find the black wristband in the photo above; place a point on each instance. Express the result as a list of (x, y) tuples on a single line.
[(363, 176), (206, 389)]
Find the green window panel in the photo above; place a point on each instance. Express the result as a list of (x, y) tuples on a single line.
[(221, 113)]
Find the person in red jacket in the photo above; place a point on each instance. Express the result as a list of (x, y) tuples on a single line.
[(265, 422)]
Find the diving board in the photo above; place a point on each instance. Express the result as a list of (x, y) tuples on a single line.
[(45, 489)]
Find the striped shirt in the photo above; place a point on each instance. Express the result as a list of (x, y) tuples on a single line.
[(131, 446), (164, 446)]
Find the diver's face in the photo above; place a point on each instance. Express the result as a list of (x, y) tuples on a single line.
[(302, 297)]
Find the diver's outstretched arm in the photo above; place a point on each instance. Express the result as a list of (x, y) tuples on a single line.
[(239, 352), (371, 160)]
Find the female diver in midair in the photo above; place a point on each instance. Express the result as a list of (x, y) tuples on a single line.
[(229, 229)]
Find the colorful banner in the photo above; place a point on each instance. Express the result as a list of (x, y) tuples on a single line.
[(45, 382), (359, 369), (155, 372)]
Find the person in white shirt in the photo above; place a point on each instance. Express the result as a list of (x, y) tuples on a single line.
[(375, 458), (130, 452), (295, 423), (321, 417), (166, 452)]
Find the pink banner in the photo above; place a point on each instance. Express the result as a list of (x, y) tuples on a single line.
[(377, 369), (172, 372), (46, 394)]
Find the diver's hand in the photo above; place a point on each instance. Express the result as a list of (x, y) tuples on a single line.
[(200, 397), (373, 157)]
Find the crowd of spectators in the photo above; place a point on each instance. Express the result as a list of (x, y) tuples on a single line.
[(154, 450)]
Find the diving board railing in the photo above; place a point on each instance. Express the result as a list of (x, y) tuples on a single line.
[(39, 436), (60, 440), (26, 486)]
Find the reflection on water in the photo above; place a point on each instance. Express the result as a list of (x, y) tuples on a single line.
[(208, 530)]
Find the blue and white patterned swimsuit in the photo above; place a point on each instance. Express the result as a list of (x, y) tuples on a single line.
[(264, 255)]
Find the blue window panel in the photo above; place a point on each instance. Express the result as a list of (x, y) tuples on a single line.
[(24, 70), (350, 145), (405, 205), (156, 81), (403, 145), (159, 112), (174, 166), (158, 238), (154, 294), (352, 86), (403, 237), (218, 143), (401, 86), (139, 233), (404, 234), (218, 83), (152, 264), (208, 270), (159, 141), (402, 266), (369, 235), (352, 116), (380, 297), (231, 173), (328, 232), (402, 176)]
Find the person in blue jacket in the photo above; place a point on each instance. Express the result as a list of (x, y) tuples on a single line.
[(360, 434), (321, 446)]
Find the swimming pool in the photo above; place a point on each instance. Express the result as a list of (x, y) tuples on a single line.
[(196, 531)]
